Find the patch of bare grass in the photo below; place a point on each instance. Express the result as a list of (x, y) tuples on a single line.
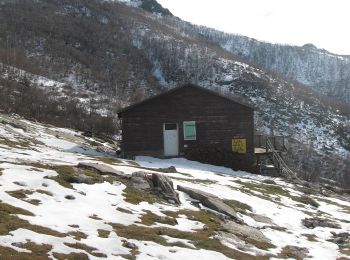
[(38, 252), (150, 219), (10, 222), (86, 248), (124, 210), (77, 235), (44, 192), (238, 206), (200, 239), (95, 217), (71, 256), (108, 160), (310, 237), (103, 233)]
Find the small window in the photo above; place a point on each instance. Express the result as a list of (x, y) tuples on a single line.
[(189, 130), (170, 126)]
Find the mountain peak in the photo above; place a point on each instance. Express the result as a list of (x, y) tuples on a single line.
[(154, 7), (309, 46), (151, 6)]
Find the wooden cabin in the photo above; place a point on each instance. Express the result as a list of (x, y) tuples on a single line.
[(189, 121)]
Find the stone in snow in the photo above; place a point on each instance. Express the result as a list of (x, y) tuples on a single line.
[(211, 201)]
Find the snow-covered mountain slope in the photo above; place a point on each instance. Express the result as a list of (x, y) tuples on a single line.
[(45, 212), (325, 72), (311, 123), (135, 54)]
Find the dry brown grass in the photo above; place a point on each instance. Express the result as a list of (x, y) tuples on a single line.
[(293, 252), (95, 217), (77, 235), (124, 210), (39, 252), (238, 206), (22, 195), (108, 160), (86, 248), (44, 192), (10, 222), (135, 196), (150, 219), (103, 233), (66, 172), (19, 144), (193, 180), (201, 239), (310, 237), (71, 256)]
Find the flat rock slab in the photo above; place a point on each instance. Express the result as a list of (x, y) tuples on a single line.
[(211, 201), (102, 169), (262, 219), (140, 181), (246, 233), (229, 238)]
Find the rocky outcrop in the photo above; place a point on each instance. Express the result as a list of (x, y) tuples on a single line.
[(140, 181), (69, 197), (147, 182), (228, 238), (247, 233), (157, 183), (80, 178), (165, 185), (318, 222), (340, 238), (211, 201)]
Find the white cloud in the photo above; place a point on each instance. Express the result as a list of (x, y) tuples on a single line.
[(321, 22)]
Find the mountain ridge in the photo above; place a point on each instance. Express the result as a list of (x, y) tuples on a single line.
[(326, 72)]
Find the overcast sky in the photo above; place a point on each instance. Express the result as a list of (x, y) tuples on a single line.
[(325, 23)]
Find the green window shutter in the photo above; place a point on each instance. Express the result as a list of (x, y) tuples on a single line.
[(189, 130)]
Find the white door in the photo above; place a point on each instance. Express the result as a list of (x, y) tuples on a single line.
[(171, 139)]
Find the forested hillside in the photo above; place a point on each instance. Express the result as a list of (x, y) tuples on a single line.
[(103, 55)]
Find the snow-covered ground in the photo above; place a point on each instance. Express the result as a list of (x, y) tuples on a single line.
[(100, 219)]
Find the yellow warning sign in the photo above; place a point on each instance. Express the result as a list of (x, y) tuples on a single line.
[(239, 145)]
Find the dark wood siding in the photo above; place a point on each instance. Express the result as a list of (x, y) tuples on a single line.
[(218, 120)]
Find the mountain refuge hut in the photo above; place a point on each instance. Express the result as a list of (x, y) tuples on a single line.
[(193, 122)]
